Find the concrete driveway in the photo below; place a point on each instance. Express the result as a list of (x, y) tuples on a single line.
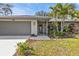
[(8, 44)]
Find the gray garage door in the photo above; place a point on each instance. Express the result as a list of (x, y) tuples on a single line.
[(15, 28)]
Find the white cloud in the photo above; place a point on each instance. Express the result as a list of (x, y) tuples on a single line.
[(18, 11), (77, 3)]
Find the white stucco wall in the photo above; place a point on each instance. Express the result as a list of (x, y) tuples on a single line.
[(34, 27)]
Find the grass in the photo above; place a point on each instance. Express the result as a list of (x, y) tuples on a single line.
[(66, 47)]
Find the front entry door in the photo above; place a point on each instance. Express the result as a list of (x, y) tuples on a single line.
[(41, 29)]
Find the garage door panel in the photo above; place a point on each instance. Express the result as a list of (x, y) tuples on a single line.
[(15, 28)]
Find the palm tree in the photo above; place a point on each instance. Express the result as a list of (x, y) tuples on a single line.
[(62, 11), (67, 9), (55, 13)]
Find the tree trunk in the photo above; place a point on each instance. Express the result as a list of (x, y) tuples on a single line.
[(57, 29), (62, 25), (56, 23)]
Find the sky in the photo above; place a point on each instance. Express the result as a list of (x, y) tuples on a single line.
[(31, 8)]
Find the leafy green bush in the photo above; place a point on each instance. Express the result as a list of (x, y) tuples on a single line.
[(56, 34), (67, 28), (59, 33), (70, 30), (24, 49)]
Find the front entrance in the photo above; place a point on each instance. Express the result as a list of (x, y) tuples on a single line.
[(41, 28)]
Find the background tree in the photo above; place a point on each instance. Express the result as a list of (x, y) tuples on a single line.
[(5, 9), (74, 26), (76, 14), (41, 13)]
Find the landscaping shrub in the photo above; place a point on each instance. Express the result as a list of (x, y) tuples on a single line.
[(24, 49), (60, 34), (70, 31), (56, 34), (51, 33), (67, 29)]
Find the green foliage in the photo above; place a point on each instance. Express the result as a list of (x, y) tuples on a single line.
[(50, 32), (56, 34), (60, 34), (24, 49), (61, 11), (67, 28)]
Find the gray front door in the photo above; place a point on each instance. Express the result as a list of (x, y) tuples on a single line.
[(15, 28)]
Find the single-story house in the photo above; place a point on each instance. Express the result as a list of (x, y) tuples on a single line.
[(25, 25)]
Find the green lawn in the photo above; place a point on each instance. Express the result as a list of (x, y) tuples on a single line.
[(66, 47)]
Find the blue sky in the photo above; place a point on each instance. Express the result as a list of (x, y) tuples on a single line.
[(31, 8)]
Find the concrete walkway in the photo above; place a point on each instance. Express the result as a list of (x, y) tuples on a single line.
[(40, 38)]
